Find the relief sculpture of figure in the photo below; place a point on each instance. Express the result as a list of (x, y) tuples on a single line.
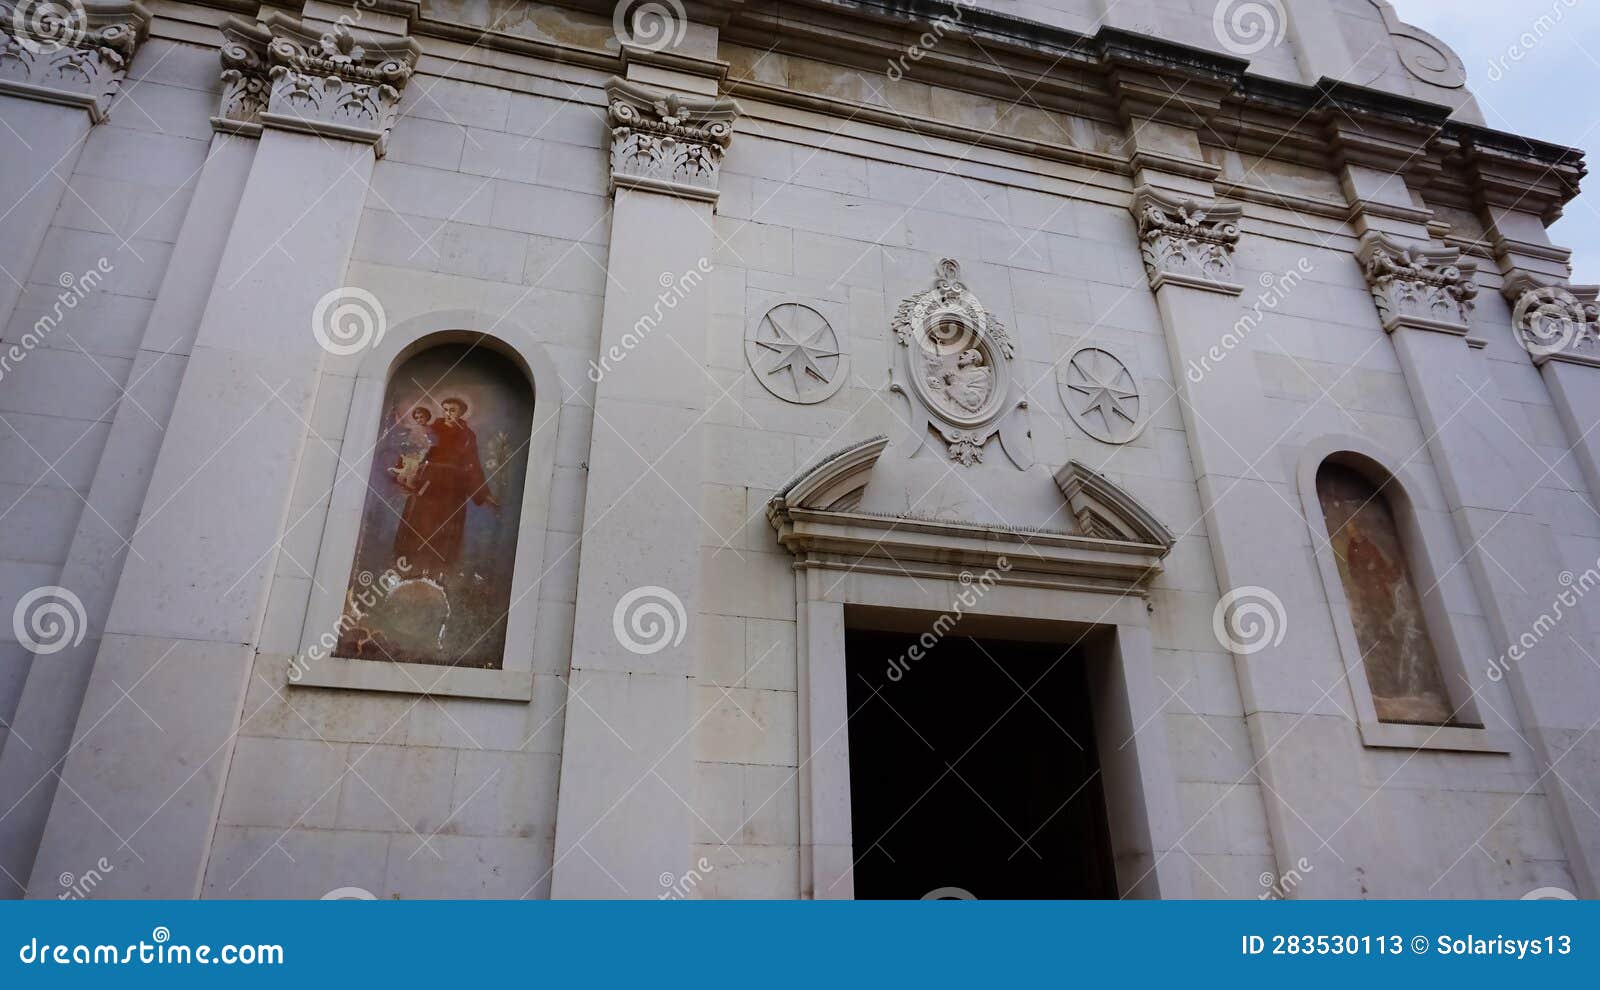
[(965, 387), (449, 478)]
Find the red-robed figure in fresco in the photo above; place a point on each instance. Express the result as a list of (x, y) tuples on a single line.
[(439, 488)]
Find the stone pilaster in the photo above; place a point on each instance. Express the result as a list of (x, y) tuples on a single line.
[(246, 86), (628, 751), (188, 610), (1488, 472), (1187, 243), (54, 690)]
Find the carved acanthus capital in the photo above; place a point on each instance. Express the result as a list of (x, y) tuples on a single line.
[(1185, 242), (667, 142), (332, 85), (74, 53), (1555, 322), (245, 83), (1425, 288)]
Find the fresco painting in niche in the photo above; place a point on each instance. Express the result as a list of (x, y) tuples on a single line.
[(1398, 654), (431, 582)]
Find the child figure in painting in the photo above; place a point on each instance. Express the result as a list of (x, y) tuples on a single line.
[(407, 470)]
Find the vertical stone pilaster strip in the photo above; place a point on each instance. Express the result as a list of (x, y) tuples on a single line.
[(188, 610), (621, 821)]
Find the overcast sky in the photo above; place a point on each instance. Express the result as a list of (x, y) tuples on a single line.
[(1538, 79)]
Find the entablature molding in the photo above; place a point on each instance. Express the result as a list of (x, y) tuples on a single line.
[(74, 54)]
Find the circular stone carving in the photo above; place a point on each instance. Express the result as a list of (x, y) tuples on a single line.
[(795, 353), (1101, 395)]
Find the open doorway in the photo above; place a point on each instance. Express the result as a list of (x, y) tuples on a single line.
[(973, 771)]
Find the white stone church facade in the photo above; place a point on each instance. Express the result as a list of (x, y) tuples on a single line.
[(1037, 448)]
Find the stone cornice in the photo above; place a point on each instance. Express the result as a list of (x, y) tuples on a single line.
[(334, 85), (1186, 242), (667, 142), (75, 55), (1417, 286)]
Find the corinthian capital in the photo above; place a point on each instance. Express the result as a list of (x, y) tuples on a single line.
[(1186, 242), (245, 84), (1555, 322), (74, 52), (1426, 288), (333, 86), (667, 142)]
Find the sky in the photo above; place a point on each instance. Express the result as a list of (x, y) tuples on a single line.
[(1534, 66)]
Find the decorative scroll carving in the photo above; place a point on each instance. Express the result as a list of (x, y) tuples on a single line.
[(75, 54), (667, 142), (1422, 287), (1423, 55), (245, 84), (328, 84), (1185, 242), (955, 367), (1555, 322)]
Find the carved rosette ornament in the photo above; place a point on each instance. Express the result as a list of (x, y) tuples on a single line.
[(245, 84), (955, 367), (74, 52), (1186, 242), (332, 86), (667, 142), (1421, 287), (1555, 322)]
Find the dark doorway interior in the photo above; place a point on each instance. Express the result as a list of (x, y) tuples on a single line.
[(1021, 771)]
